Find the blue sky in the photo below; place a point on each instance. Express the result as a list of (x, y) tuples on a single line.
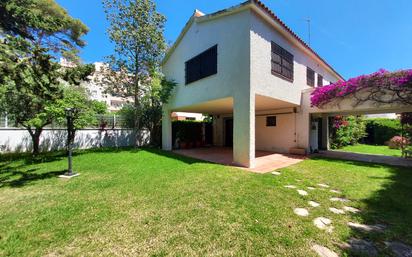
[(354, 36)]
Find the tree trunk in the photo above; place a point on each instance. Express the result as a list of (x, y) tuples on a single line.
[(35, 137)]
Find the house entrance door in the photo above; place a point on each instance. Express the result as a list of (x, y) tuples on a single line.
[(229, 132)]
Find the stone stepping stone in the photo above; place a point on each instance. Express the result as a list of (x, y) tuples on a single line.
[(323, 185), (360, 247), (335, 191), (367, 228), (314, 204), (290, 186), (399, 249), (323, 224), (276, 173), (338, 199), (337, 211), (311, 188), (302, 192), (351, 209), (323, 251), (301, 212)]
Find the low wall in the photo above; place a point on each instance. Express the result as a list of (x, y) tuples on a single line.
[(19, 140)]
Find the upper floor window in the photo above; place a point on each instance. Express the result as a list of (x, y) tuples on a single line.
[(202, 65), (271, 121), (320, 80), (282, 62), (310, 77)]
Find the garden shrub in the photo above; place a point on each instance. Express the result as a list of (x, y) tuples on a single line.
[(381, 130), (347, 130), (398, 142)]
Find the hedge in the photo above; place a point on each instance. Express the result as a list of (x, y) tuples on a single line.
[(381, 130)]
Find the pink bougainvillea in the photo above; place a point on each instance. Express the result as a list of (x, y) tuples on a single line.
[(378, 84)]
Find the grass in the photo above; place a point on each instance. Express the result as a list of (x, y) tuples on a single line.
[(148, 202), (372, 149)]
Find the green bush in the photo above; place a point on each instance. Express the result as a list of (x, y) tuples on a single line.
[(347, 131), (381, 130)]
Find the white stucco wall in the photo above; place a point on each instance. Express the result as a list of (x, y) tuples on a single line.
[(267, 84), (231, 34), (19, 140), (276, 139)]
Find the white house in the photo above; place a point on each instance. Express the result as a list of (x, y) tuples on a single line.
[(245, 67)]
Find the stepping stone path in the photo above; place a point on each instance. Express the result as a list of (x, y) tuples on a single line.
[(301, 212), (323, 185), (360, 247), (335, 191), (302, 192), (323, 251), (338, 199), (337, 211), (323, 224), (351, 209), (290, 186), (313, 204), (399, 249), (311, 188), (275, 173), (367, 228)]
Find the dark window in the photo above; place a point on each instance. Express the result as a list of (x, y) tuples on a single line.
[(320, 80), (202, 65), (282, 62), (271, 121), (190, 118), (310, 77)]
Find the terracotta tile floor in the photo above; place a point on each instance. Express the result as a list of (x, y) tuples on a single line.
[(265, 161)]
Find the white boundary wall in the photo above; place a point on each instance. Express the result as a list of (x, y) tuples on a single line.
[(19, 140)]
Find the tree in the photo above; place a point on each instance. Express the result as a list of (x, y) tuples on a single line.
[(28, 86), (157, 94), (45, 24), (32, 33), (136, 29), (84, 109)]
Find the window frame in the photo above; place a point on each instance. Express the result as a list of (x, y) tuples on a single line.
[(284, 59), (202, 65), (310, 80)]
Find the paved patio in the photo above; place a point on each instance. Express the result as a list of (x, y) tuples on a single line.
[(371, 158), (265, 161)]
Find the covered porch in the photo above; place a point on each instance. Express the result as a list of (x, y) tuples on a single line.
[(256, 132), (264, 161)]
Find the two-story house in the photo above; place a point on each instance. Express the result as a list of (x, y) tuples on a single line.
[(245, 67)]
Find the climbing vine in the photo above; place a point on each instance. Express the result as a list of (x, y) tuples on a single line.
[(381, 87)]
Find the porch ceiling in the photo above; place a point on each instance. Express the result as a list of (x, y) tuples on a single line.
[(218, 106), (225, 105), (264, 103)]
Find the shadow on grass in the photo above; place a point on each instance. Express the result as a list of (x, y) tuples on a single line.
[(18, 178), (17, 175), (174, 156), (390, 206)]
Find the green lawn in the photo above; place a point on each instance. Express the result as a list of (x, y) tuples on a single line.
[(146, 202), (372, 149)]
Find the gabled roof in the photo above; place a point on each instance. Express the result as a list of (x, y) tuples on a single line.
[(260, 9)]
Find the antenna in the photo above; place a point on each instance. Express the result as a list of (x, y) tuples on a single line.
[(308, 21)]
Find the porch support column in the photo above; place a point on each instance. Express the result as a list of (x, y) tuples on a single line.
[(166, 129), (325, 132), (244, 130)]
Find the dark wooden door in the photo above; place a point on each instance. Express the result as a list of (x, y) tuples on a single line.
[(229, 132)]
